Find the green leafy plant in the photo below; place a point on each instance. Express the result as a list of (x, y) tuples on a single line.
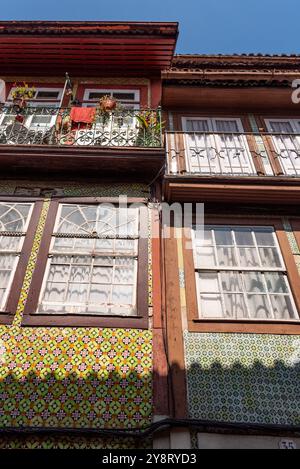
[(23, 92), (150, 128)]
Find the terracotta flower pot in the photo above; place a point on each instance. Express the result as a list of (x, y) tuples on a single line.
[(107, 104), (20, 102)]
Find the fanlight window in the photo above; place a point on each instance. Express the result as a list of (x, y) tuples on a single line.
[(14, 218), (92, 266)]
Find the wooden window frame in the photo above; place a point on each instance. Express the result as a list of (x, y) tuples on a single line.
[(261, 326), (8, 313), (140, 321)]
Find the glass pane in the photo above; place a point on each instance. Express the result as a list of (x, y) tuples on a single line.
[(84, 245), (80, 274), (248, 257), (254, 282), (265, 237), (211, 306), (223, 236), (128, 245), (13, 217), (102, 275), (54, 292), (10, 243), (270, 257), (2, 293), (104, 245), (205, 258), (4, 277), (58, 273), (243, 237), (196, 125), (77, 293), (208, 282), (282, 307), (124, 275), (235, 306), (63, 244), (226, 256), (103, 219), (122, 294), (226, 125), (203, 237), (259, 307), (276, 282), (231, 282), (99, 294), (103, 260)]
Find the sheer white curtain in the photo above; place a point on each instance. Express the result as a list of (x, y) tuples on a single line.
[(93, 262), (241, 275), (286, 144), (217, 146)]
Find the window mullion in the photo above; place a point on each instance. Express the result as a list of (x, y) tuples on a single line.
[(268, 295), (245, 294)]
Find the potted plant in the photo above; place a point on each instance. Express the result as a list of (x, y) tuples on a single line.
[(21, 94), (107, 103), (149, 128)]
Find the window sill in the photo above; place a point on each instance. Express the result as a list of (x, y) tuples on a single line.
[(245, 326), (54, 320)]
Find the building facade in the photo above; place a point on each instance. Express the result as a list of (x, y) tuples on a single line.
[(120, 327)]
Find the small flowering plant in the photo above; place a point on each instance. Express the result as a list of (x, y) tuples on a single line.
[(150, 127), (23, 92)]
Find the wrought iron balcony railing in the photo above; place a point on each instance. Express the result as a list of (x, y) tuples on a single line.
[(55, 126), (233, 154)]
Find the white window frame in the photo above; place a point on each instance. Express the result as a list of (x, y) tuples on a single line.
[(221, 268), (295, 125), (39, 101), (110, 92), (104, 254), (16, 253), (99, 130), (214, 141), (35, 103)]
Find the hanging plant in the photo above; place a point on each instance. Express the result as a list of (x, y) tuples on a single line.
[(107, 103), (21, 94)]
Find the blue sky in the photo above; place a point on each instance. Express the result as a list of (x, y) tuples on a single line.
[(206, 26)]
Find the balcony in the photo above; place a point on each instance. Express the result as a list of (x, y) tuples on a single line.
[(233, 154), (233, 166), (53, 126), (49, 139)]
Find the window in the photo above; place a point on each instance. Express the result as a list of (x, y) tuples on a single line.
[(118, 128), (241, 275), (129, 99), (92, 268), (14, 219), (217, 146), (43, 97), (286, 143), (41, 117)]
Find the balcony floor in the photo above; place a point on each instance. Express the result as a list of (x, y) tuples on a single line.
[(140, 164)]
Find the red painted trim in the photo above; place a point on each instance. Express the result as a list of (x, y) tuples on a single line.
[(156, 92)]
